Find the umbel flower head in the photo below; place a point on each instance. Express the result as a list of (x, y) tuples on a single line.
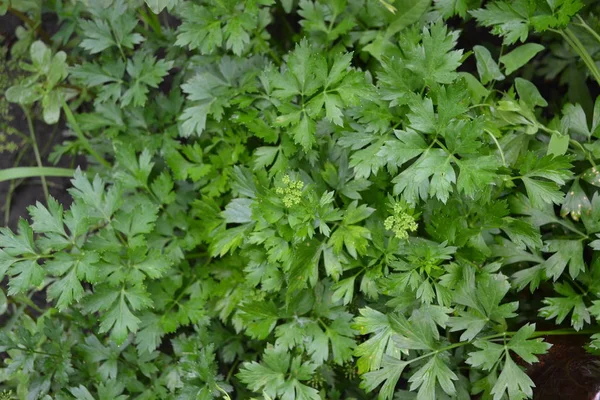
[(291, 191), (401, 222), (7, 145)]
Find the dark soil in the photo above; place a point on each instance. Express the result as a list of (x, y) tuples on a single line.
[(566, 371), (29, 191)]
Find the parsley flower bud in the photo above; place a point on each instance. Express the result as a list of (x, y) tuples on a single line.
[(291, 192), (400, 222)]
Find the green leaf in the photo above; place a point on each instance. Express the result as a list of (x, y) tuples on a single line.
[(487, 68), (103, 202), (261, 318), (476, 174), (560, 307), (116, 306), (541, 192), (520, 56), (483, 305), (414, 182), (82, 393), (513, 381), (353, 237), (150, 334), (508, 20), (25, 275), (114, 29), (238, 211), (397, 152), (525, 347), (591, 220), (271, 376), (522, 233), (434, 372), (389, 374), (24, 94), (575, 120), (17, 245), (371, 352), (228, 240), (158, 5), (194, 119), (434, 60), (51, 104), (559, 144), (48, 220), (162, 187), (565, 252), (145, 72), (344, 290), (200, 29), (422, 117), (487, 356), (529, 94), (70, 271), (95, 75), (3, 302), (555, 169), (576, 202), (304, 133), (409, 12), (355, 214), (98, 36)]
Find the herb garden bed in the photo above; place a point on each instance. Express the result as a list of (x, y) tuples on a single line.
[(258, 199)]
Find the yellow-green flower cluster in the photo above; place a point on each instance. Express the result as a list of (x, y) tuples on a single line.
[(400, 222), (6, 145), (291, 192)]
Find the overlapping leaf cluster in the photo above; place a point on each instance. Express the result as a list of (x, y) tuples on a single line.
[(302, 200)]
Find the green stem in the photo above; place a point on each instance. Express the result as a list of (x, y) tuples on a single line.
[(584, 25), (32, 24), (36, 151), (85, 143), (36, 352), (388, 6), (591, 64), (564, 332), (12, 186), (272, 53), (580, 49), (14, 317), (546, 129), (572, 229), (497, 145), (231, 370), (586, 153), (557, 332), (31, 172), (220, 389), (180, 295), (30, 303), (22, 135), (151, 20), (443, 146)]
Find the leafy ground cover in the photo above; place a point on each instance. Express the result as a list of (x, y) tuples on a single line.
[(345, 199)]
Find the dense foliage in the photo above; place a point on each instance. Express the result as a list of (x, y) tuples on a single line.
[(313, 199)]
